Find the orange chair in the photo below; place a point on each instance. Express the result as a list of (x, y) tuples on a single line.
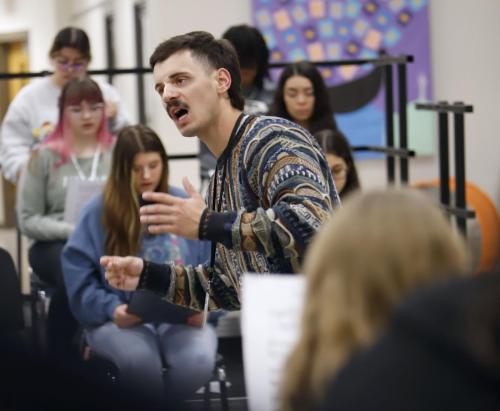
[(487, 217)]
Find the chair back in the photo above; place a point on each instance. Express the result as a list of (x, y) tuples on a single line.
[(11, 303)]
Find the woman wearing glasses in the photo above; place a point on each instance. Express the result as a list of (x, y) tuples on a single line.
[(340, 159), (33, 113), (76, 153)]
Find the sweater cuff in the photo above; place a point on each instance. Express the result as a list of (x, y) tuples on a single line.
[(155, 277), (217, 227)]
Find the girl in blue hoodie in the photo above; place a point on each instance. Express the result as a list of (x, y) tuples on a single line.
[(109, 224)]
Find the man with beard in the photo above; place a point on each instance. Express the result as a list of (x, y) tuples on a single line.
[(271, 191)]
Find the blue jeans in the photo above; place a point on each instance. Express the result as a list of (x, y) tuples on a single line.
[(140, 352)]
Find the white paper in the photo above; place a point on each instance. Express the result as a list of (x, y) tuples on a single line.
[(270, 319), (78, 192)]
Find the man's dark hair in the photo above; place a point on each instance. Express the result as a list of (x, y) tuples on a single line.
[(216, 53), (251, 48)]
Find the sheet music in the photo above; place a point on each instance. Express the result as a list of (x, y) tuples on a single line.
[(270, 318), (77, 194)]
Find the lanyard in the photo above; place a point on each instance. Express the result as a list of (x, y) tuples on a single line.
[(93, 170)]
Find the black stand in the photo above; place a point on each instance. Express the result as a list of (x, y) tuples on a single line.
[(459, 210)]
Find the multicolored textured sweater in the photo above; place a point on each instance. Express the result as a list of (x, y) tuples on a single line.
[(271, 192)]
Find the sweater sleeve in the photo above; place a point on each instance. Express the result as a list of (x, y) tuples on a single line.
[(187, 285), (33, 219), (91, 300), (16, 140), (289, 175)]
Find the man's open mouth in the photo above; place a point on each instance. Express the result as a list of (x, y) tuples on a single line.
[(177, 110), (180, 113)]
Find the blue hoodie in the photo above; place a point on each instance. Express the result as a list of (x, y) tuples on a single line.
[(91, 299)]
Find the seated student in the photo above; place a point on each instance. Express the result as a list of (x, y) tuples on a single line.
[(340, 159), (253, 55), (32, 115), (377, 249), (302, 97), (78, 149), (441, 352), (110, 224)]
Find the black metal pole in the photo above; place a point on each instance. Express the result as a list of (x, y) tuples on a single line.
[(389, 121), (460, 168), (138, 60), (444, 167), (384, 61), (110, 52), (403, 121), (19, 243)]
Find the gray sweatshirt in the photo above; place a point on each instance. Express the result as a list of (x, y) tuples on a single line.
[(42, 189)]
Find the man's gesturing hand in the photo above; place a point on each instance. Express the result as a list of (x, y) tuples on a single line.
[(174, 215), (122, 272)]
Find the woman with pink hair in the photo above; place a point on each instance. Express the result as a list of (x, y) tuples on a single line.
[(78, 150)]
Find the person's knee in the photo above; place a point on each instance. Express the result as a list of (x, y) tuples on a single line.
[(140, 357), (197, 351)]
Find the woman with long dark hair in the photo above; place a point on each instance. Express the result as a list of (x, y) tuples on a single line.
[(302, 96)]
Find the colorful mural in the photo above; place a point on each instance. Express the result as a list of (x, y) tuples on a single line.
[(322, 30)]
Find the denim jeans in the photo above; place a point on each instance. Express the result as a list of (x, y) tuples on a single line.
[(141, 352)]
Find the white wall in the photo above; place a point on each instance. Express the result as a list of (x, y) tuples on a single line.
[(466, 67), (124, 39), (34, 18)]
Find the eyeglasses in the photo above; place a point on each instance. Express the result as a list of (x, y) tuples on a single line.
[(339, 172), (66, 65), (79, 110)]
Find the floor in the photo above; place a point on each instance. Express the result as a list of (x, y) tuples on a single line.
[(230, 349)]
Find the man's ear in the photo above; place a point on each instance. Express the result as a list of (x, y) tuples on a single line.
[(223, 78)]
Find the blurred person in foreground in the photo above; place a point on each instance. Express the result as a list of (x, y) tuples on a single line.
[(441, 352), (380, 247)]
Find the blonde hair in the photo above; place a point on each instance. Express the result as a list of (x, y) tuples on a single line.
[(375, 250)]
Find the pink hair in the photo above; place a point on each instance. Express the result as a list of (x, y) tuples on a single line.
[(73, 93)]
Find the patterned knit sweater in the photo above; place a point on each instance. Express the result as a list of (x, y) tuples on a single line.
[(271, 192)]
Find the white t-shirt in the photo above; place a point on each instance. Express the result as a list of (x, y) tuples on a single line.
[(33, 114)]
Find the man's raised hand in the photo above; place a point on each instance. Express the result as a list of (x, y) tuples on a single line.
[(174, 215)]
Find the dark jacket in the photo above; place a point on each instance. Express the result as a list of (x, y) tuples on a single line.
[(441, 352)]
